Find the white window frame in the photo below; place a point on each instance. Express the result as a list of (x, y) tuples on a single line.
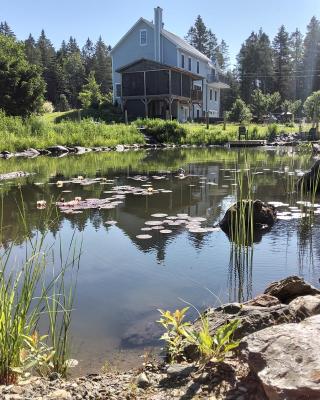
[(140, 37), (210, 95), (183, 64), (189, 64), (198, 67), (116, 89)]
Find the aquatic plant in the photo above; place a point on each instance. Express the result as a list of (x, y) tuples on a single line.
[(29, 298)]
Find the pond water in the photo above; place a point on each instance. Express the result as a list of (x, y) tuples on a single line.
[(123, 279)]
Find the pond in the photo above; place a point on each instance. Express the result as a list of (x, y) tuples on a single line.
[(124, 279)]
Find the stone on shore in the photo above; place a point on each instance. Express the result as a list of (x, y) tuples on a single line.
[(290, 288), (286, 359)]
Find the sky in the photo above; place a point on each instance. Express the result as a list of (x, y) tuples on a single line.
[(231, 20)]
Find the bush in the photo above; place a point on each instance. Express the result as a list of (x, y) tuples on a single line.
[(47, 107), (163, 131), (273, 131), (239, 112)]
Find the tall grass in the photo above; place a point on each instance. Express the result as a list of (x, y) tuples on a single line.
[(30, 298)]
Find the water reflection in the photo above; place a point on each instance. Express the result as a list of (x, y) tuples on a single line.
[(123, 279)]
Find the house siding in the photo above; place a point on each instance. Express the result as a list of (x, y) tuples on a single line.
[(130, 50)]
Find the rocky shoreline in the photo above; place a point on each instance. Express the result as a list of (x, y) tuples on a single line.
[(277, 359)]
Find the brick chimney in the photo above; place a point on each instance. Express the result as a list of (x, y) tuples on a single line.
[(157, 33)]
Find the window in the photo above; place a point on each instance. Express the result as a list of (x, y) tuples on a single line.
[(189, 63), (182, 60), (210, 94), (143, 37), (198, 67), (215, 95), (118, 89)]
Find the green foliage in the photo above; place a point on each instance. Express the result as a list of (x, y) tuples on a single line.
[(239, 112), (180, 333), (162, 130), (311, 106), (21, 85), (90, 95), (291, 106), (273, 131)]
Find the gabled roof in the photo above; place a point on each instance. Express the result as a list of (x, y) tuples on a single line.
[(176, 40)]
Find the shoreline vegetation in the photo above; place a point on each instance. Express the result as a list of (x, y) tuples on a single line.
[(41, 132)]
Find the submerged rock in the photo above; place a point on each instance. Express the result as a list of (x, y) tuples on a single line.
[(285, 360), (290, 288), (13, 175), (262, 214)]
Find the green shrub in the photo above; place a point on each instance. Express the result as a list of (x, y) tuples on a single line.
[(162, 130), (273, 130)]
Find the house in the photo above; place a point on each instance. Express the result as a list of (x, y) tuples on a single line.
[(155, 73)]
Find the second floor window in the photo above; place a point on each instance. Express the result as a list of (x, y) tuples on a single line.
[(215, 95), (198, 67), (189, 63), (210, 94), (182, 60), (143, 37)]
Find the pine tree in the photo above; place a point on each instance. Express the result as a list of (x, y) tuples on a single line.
[(282, 64), (223, 57), (102, 66), (255, 65), (311, 57), (74, 77), (72, 46), (6, 30), (197, 36), (296, 49), (32, 51), (88, 56)]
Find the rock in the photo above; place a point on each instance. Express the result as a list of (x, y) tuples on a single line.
[(13, 175), (305, 306), (310, 180), (59, 394), (54, 376), (30, 153), (57, 149), (81, 150), (120, 147), (262, 214), (180, 370), (285, 359), (263, 300), (290, 288), (143, 381)]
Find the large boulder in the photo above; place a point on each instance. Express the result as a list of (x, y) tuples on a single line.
[(311, 179), (263, 215), (290, 288), (286, 359)]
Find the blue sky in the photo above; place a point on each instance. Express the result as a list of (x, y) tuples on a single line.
[(232, 20)]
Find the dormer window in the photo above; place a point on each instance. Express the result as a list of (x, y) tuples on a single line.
[(143, 37), (182, 60), (189, 63)]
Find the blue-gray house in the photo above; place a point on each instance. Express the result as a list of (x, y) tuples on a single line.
[(155, 73)]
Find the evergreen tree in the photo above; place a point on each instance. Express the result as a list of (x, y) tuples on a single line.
[(228, 96), (223, 58), (88, 56), (296, 49), (6, 30), (90, 95), (21, 85), (48, 59), (32, 51), (198, 36), (102, 66), (72, 46), (311, 57), (74, 77), (282, 64), (255, 65)]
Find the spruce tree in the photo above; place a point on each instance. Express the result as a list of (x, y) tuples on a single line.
[(197, 36), (311, 57), (88, 56), (296, 49), (32, 51), (6, 30), (102, 66), (282, 64), (223, 58)]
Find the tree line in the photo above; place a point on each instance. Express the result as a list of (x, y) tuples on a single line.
[(288, 65), (65, 72)]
